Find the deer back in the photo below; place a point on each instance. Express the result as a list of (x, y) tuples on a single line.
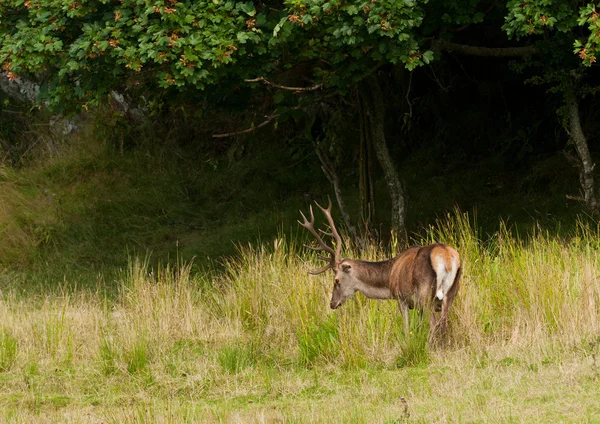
[(413, 277)]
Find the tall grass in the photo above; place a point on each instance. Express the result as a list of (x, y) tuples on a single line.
[(177, 334), (530, 292), (524, 290), (526, 293)]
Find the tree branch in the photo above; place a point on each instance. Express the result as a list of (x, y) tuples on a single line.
[(283, 87), (577, 198), (487, 51)]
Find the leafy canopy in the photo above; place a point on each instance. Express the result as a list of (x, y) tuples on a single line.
[(565, 20), (82, 49)]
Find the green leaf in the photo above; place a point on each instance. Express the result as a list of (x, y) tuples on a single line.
[(261, 20), (248, 8), (428, 56), (352, 10), (279, 26)]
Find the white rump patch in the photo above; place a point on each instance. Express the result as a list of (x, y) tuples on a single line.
[(444, 278), (440, 272)]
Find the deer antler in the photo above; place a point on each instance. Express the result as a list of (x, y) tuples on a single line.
[(334, 256)]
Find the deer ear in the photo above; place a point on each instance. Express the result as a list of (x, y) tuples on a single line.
[(346, 267)]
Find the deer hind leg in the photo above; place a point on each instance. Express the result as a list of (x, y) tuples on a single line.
[(434, 323), (446, 304), (442, 326), (404, 309)]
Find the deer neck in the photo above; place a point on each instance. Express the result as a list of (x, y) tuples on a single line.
[(373, 279)]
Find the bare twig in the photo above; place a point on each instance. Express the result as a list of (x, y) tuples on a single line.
[(329, 170), (462, 28), (437, 80), (410, 109), (283, 87), (248, 130), (577, 198)]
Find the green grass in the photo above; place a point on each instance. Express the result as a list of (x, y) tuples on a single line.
[(258, 343), (8, 351), (319, 340), (236, 358)]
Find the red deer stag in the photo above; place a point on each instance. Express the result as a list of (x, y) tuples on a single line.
[(419, 277)]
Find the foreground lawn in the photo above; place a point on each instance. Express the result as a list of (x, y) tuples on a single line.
[(459, 386)]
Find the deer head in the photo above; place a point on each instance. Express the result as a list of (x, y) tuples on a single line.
[(345, 282)]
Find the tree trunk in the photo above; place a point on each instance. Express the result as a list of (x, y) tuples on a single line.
[(586, 165), (375, 113), (329, 170), (366, 190)]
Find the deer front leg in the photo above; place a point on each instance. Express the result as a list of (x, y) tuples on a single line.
[(404, 309)]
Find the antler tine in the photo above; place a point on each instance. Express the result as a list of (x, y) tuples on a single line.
[(334, 233), (320, 271), (310, 226), (323, 247)]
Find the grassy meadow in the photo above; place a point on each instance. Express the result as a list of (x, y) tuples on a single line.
[(256, 341)]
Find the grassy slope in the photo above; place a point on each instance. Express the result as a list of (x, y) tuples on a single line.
[(91, 205)]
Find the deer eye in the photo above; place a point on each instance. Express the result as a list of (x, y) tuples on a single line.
[(346, 267)]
